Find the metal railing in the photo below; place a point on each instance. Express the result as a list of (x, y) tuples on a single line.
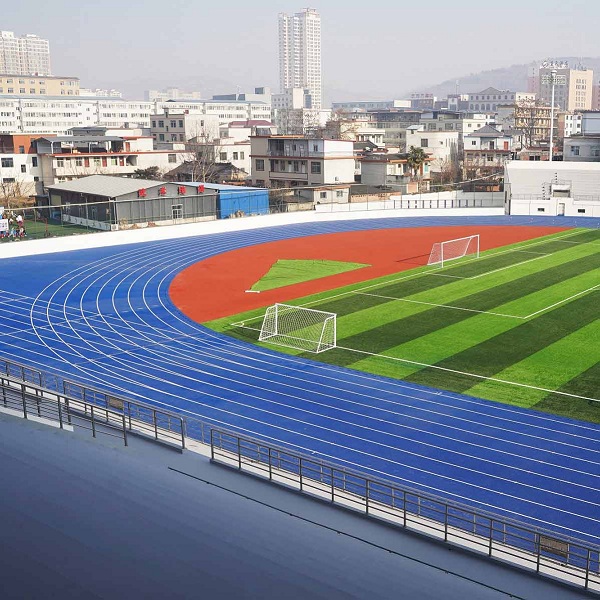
[(542, 551), (37, 394)]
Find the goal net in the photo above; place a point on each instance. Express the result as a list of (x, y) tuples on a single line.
[(441, 252), (297, 327)]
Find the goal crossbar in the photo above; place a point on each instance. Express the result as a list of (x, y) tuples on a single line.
[(442, 252), (297, 327)]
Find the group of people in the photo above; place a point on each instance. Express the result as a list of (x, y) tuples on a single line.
[(13, 226)]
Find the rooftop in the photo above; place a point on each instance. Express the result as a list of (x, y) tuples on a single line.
[(106, 185)]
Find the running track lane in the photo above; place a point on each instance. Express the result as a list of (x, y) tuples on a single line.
[(105, 317)]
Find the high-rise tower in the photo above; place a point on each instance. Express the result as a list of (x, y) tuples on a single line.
[(300, 54)]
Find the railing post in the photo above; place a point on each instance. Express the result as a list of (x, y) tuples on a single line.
[(587, 569), (300, 471), (67, 406), (367, 490), (183, 423), (24, 400), (404, 505), (446, 522), (155, 424), (539, 552), (212, 445), (332, 485), (239, 449), (270, 466), (60, 419), (4, 391), (93, 423), (124, 430)]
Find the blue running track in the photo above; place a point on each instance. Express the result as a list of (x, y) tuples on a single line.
[(104, 317)]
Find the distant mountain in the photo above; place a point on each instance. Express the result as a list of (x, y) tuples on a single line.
[(512, 78)]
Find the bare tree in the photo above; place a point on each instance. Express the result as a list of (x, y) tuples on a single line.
[(16, 193), (202, 161), (532, 117)]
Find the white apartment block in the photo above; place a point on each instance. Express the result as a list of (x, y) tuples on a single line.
[(19, 176), (27, 55), (286, 161), (174, 126), (366, 105), (300, 53), (57, 115), (171, 93)]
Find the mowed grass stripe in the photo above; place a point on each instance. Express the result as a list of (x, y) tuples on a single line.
[(450, 340), (550, 368), (377, 307), (582, 385), (496, 354), (390, 334)]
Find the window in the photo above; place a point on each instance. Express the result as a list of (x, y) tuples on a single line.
[(541, 209), (315, 168), (172, 158), (241, 156), (79, 162), (32, 90), (424, 143), (223, 156), (34, 161), (21, 149), (180, 123), (315, 147), (339, 194), (153, 123), (323, 195), (260, 164), (161, 137), (8, 180), (581, 210), (173, 123), (23, 168), (21, 90), (161, 123), (177, 211), (36, 178), (97, 161), (235, 156), (7, 163), (575, 150)]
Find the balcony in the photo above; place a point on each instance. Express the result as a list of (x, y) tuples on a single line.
[(288, 175)]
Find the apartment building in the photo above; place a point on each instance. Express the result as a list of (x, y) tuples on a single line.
[(34, 85), (286, 161), (490, 99), (441, 146), (27, 55), (584, 146), (369, 105), (573, 89), (300, 54), (394, 124), (170, 93)]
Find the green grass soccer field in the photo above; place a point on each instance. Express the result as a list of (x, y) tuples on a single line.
[(520, 325)]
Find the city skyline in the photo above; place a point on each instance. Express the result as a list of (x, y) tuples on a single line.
[(136, 51)]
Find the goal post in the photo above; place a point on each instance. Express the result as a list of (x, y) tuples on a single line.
[(297, 327), (442, 252)]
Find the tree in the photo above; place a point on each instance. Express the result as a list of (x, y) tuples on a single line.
[(15, 193), (202, 161), (532, 117), (416, 160), (153, 173)]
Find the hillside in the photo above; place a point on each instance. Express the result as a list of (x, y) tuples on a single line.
[(508, 78)]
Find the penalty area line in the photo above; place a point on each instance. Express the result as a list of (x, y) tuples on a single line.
[(474, 375)]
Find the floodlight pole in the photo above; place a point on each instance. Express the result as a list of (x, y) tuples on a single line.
[(552, 84)]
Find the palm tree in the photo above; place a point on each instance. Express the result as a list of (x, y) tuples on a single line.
[(416, 160)]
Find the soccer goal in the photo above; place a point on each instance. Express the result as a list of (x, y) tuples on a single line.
[(298, 327), (442, 252)]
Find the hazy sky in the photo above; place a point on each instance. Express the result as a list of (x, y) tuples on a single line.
[(370, 50)]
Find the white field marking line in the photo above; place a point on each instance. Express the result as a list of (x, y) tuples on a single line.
[(528, 252), (483, 312), (523, 262), (444, 275), (428, 272), (483, 377), (579, 243), (562, 301)]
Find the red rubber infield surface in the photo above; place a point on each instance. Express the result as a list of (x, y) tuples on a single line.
[(216, 287)]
